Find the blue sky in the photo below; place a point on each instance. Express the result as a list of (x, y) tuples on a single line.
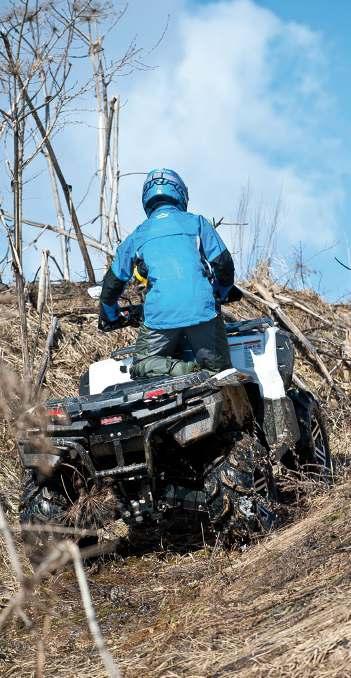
[(242, 93), (333, 21)]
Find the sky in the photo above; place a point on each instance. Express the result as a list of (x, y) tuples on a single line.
[(241, 96)]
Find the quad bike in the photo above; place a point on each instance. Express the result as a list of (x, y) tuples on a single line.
[(197, 447)]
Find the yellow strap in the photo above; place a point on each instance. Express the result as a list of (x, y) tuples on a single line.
[(139, 277)]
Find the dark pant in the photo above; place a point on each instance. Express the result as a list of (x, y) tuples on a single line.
[(157, 351)]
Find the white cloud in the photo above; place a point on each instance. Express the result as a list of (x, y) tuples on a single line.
[(238, 97), (238, 100)]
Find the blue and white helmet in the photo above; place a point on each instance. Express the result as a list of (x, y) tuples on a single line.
[(164, 185)]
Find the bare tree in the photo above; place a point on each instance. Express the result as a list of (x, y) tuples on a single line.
[(107, 109), (34, 70), (29, 101), (55, 193), (41, 41)]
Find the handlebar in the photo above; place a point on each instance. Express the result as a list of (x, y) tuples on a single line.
[(132, 315)]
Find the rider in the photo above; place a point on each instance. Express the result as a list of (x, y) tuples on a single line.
[(189, 272)]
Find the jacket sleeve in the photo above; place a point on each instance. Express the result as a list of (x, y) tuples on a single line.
[(116, 278), (218, 256)]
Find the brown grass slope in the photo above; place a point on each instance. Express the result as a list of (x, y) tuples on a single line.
[(282, 608)]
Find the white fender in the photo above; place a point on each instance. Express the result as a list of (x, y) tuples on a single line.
[(255, 355), (108, 373), (266, 367)]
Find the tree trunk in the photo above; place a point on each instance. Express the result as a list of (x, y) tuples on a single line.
[(102, 124), (113, 226), (18, 141), (60, 217), (43, 284)]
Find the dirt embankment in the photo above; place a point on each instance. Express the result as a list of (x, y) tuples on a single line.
[(282, 608)]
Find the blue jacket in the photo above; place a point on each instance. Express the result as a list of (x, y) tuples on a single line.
[(185, 259)]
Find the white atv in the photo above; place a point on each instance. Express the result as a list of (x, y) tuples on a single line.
[(214, 447)]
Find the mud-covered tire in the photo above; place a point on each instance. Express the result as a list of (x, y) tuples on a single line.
[(42, 505), (45, 504), (240, 492), (313, 449)]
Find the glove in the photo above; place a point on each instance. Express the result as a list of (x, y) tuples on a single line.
[(220, 291), (107, 326), (109, 318), (234, 294), (225, 295)]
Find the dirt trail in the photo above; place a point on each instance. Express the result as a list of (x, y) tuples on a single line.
[(282, 608)]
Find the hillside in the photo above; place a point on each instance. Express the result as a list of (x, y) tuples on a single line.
[(281, 608)]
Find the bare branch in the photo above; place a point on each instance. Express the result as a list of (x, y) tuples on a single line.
[(56, 165), (61, 554), (107, 659), (10, 546), (11, 242), (47, 353), (13, 556), (90, 242), (113, 220), (341, 263)]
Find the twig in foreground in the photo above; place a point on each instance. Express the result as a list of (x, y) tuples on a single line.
[(14, 559), (61, 554), (10, 546), (106, 657)]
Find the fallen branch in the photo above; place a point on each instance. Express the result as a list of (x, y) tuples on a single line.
[(299, 382), (265, 294), (41, 644), (267, 299), (55, 529), (284, 299), (79, 311)]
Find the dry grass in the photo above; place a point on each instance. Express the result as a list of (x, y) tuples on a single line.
[(282, 608)]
